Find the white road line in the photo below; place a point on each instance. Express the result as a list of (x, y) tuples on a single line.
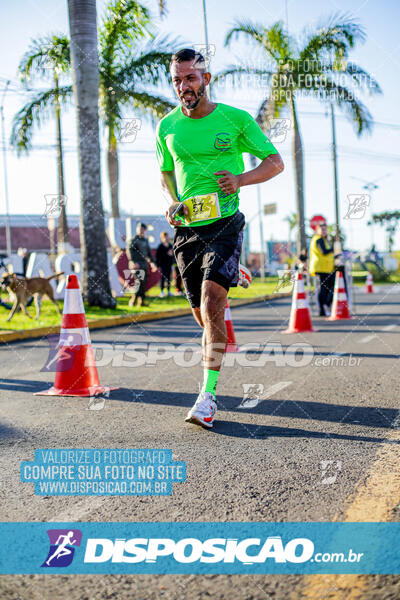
[(395, 289), (273, 389), (367, 339)]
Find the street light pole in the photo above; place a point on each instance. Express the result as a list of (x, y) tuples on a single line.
[(253, 162), (335, 173), (260, 211), (3, 137), (207, 57), (371, 186)]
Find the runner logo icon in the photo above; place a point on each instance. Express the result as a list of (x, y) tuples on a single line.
[(61, 551)]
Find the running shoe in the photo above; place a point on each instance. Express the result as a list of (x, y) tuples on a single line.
[(244, 276), (203, 411)]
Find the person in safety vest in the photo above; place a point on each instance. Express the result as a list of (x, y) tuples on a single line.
[(322, 266)]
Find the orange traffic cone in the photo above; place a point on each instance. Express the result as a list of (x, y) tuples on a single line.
[(340, 307), (76, 371), (231, 345), (369, 284), (300, 318)]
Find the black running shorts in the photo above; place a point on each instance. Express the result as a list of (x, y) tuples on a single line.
[(209, 252)]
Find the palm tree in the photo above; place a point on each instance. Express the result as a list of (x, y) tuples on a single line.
[(391, 221), (85, 69), (315, 65), (127, 69), (47, 57), (291, 220), (126, 74)]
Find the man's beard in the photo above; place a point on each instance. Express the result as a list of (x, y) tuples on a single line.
[(190, 105)]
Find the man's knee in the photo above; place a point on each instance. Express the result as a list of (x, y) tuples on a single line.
[(212, 300)]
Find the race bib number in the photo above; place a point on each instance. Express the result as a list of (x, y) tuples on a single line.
[(202, 208)]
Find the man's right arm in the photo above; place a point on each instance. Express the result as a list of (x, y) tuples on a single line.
[(168, 179), (168, 185)]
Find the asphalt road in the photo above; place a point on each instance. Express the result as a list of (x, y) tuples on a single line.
[(313, 435)]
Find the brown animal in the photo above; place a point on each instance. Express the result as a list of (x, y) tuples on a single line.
[(23, 289)]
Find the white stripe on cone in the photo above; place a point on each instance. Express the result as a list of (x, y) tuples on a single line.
[(339, 282), (228, 314), (299, 286), (73, 303), (78, 336), (301, 303)]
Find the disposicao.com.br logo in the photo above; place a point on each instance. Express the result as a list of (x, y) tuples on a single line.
[(200, 547), (190, 550)]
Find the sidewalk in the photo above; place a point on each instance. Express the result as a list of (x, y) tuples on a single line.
[(107, 322)]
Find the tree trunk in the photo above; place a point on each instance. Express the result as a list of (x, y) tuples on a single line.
[(335, 173), (83, 28), (298, 161), (113, 172), (62, 233), (266, 112)]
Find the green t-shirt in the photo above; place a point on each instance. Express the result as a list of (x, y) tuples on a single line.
[(197, 148)]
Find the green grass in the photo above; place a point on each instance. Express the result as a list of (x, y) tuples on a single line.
[(49, 315), (360, 281)]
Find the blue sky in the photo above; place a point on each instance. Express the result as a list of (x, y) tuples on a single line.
[(370, 157)]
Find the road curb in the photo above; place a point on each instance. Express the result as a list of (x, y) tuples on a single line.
[(107, 322)]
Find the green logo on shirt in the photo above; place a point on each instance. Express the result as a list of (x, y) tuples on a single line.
[(223, 141)]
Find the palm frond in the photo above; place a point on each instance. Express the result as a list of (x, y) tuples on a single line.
[(273, 39), (44, 56), (232, 70), (148, 104), (124, 22), (357, 75), (338, 35), (35, 112), (162, 7), (253, 30), (345, 99), (151, 65)]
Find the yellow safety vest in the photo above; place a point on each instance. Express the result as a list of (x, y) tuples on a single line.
[(320, 263)]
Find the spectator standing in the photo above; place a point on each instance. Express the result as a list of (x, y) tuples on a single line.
[(322, 266), (164, 261), (139, 253)]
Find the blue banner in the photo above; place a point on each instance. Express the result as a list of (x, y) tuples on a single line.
[(194, 548)]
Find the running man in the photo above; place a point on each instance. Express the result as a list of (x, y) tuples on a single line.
[(62, 549), (199, 151)]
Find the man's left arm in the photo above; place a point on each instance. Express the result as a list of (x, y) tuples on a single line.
[(267, 169), (253, 140)]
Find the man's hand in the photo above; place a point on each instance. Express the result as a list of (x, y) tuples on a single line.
[(168, 214), (153, 267), (228, 182)]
